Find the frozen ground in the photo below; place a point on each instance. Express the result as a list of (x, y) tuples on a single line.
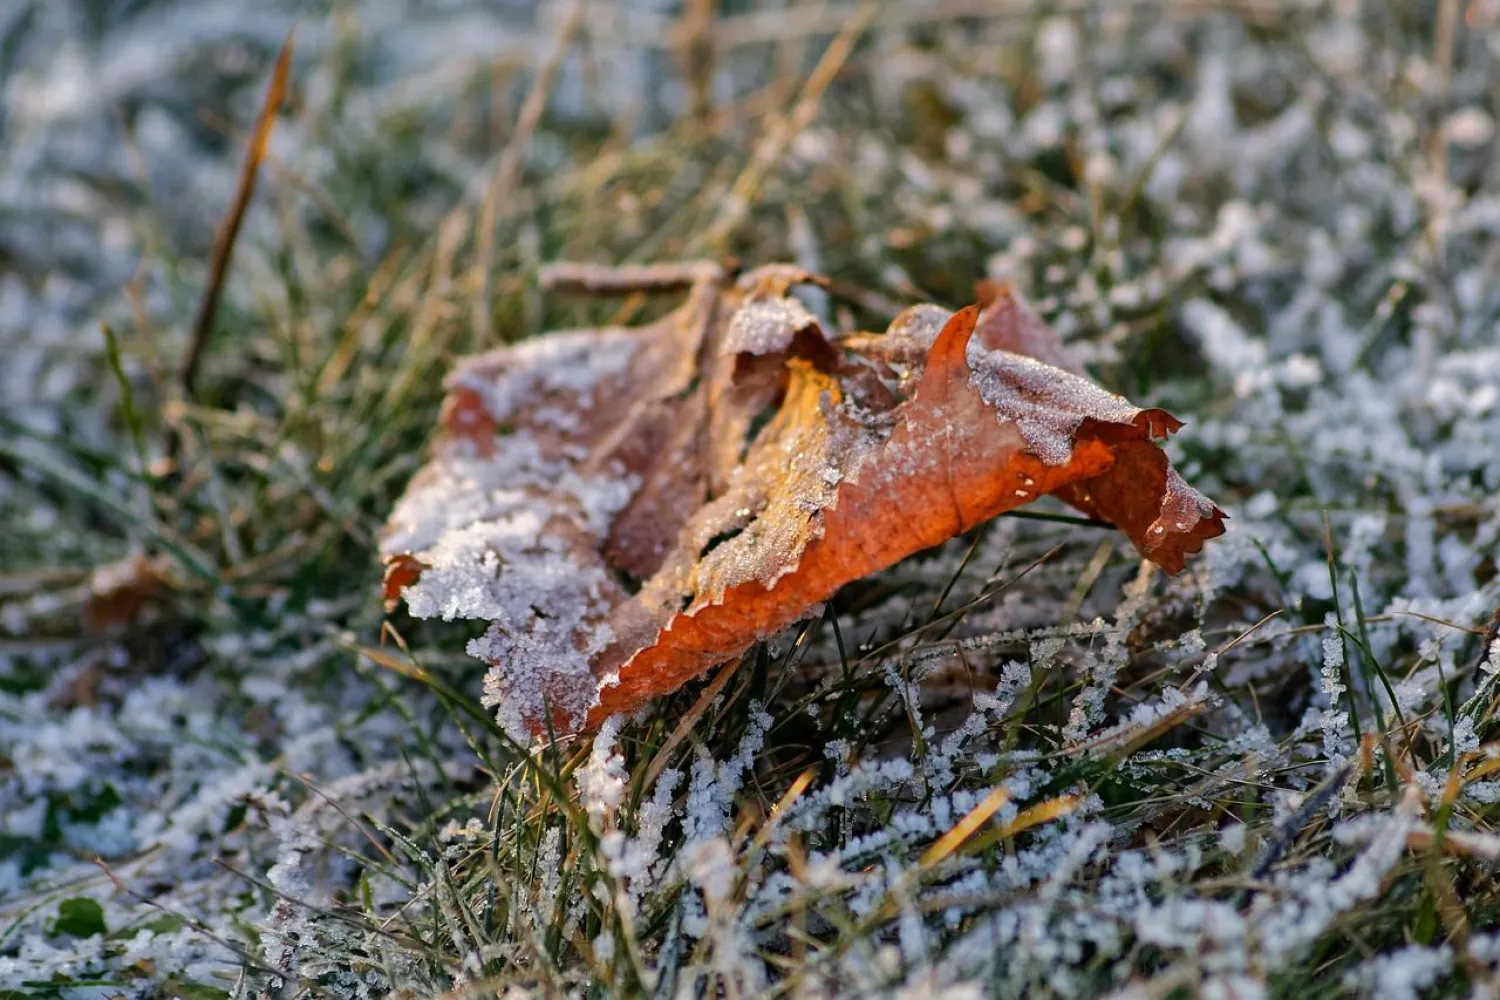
[(1274, 776)]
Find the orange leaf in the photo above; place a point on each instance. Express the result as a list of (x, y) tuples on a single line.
[(629, 508)]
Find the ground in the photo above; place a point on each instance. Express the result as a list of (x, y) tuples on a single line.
[(1022, 764)]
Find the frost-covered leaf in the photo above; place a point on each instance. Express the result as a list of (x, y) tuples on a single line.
[(630, 507)]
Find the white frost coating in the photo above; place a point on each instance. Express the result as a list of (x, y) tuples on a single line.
[(637, 860), (1207, 924), (1287, 925), (537, 671), (1045, 403), (573, 362), (710, 864), (486, 533), (767, 326), (1182, 507), (1402, 974), (603, 781), (466, 488), (1227, 345), (921, 323), (541, 601), (1333, 719), (469, 571)]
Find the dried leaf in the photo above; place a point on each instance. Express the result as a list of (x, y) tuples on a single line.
[(630, 507), (118, 592)]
